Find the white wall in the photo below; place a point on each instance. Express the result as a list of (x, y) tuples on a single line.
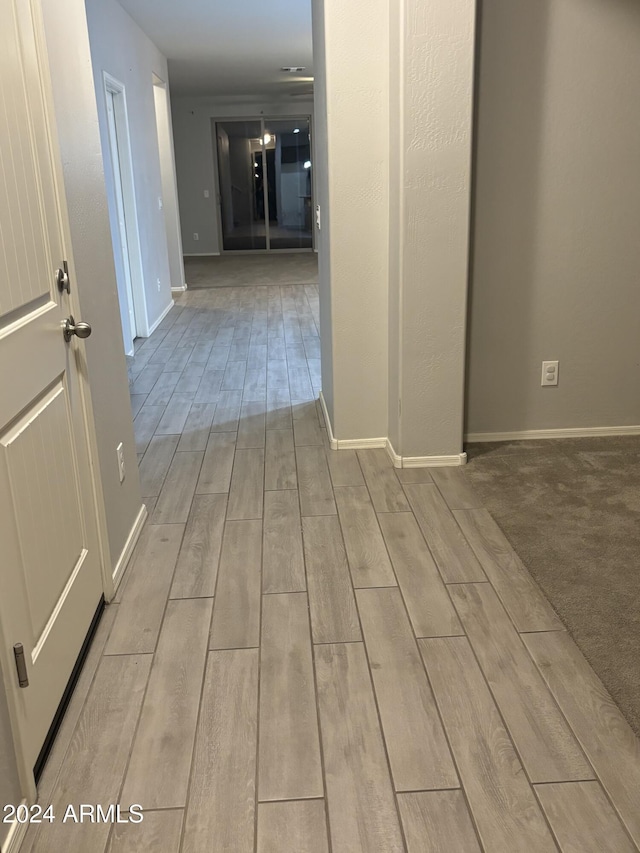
[(195, 159), (169, 185), (557, 218), (120, 47), (352, 171)]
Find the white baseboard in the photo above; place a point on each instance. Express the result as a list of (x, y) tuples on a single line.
[(161, 318), (201, 255), (452, 461), (16, 835), (179, 289), (398, 461), (533, 434), (347, 443), (129, 545), (360, 443)]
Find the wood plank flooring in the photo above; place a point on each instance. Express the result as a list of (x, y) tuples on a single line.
[(312, 652)]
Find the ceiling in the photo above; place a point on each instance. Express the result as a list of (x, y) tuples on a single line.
[(231, 47)]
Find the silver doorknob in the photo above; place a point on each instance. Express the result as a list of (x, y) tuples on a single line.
[(71, 328)]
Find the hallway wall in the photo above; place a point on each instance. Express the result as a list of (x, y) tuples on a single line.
[(557, 217), (121, 48), (194, 151)]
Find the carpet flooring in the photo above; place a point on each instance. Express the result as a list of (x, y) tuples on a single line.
[(571, 510), (251, 270)]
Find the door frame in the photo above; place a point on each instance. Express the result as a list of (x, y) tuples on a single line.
[(7, 663), (215, 120), (113, 88)]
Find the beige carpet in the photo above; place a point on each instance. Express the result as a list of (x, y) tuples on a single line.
[(571, 510), (249, 270)]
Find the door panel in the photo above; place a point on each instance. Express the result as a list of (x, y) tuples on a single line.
[(242, 192), (50, 569), (44, 487), (290, 184)]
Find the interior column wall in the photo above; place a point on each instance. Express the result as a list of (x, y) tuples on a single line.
[(351, 53), (431, 129)]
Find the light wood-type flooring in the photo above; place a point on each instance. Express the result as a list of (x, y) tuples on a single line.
[(312, 651)]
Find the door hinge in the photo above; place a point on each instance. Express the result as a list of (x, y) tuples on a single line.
[(21, 665)]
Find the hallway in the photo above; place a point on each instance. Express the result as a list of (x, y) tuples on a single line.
[(313, 651)]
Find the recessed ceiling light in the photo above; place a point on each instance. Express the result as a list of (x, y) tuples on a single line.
[(293, 69), (296, 130)]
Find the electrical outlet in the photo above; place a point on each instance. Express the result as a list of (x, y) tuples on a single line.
[(206, 193), (549, 373), (196, 236), (318, 224), (120, 454), (158, 283)]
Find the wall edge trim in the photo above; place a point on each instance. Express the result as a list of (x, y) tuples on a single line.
[(332, 440), (571, 432), (16, 835), (129, 545)]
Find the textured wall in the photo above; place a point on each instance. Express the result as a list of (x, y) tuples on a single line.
[(557, 216), (84, 186), (194, 152), (119, 47), (431, 176), (354, 178)]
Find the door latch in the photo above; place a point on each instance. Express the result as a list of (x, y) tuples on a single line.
[(21, 665), (62, 278)]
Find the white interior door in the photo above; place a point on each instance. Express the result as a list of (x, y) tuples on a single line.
[(50, 564), (123, 263)]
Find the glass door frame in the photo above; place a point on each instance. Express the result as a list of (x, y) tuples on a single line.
[(220, 120)]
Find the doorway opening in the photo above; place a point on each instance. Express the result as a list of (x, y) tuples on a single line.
[(125, 236), (265, 182)]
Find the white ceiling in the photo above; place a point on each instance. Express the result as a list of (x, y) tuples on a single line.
[(230, 47)]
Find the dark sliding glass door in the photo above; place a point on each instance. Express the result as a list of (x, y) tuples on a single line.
[(266, 188)]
